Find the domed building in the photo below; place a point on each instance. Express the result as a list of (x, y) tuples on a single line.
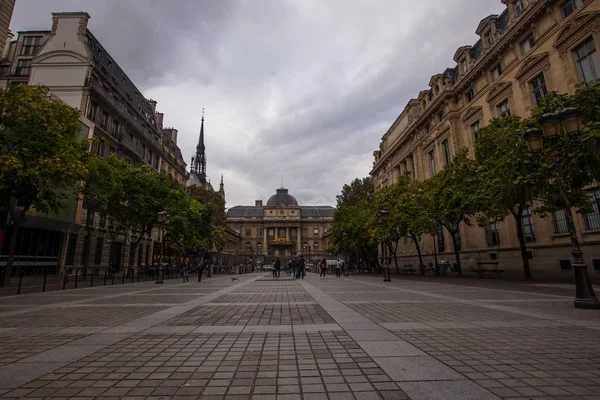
[(281, 228)]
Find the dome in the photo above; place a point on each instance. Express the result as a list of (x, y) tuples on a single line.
[(282, 197)]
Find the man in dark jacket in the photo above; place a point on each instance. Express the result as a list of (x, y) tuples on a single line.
[(277, 267), (301, 266)]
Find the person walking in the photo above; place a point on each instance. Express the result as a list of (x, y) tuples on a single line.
[(301, 266), (186, 272), (323, 268), (274, 270), (338, 268), (277, 267)]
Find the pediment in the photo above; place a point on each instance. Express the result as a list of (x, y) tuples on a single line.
[(60, 57), (532, 65), (500, 89), (471, 112), (575, 29), (460, 51)]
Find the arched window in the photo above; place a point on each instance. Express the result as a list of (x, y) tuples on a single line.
[(316, 246)]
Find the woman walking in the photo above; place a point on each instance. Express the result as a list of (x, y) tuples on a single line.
[(323, 268)]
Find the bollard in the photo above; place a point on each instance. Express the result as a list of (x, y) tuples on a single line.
[(20, 281), (104, 276), (113, 276), (45, 279), (92, 278), (132, 274), (76, 271), (66, 272), (123, 277)]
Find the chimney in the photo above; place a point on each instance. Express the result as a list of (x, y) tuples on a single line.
[(258, 203), (9, 37), (152, 104), (158, 117), (171, 133)]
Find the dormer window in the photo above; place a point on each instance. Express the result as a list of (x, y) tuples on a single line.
[(497, 71), (519, 7), (570, 6), (464, 66), (527, 44), (489, 38)]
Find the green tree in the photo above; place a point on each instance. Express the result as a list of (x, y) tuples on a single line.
[(145, 194), (103, 187), (511, 177), (41, 156), (452, 196)]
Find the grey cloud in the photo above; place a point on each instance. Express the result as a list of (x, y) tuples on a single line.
[(300, 88)]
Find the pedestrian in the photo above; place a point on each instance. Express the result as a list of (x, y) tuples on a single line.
[(278, 267), (274, 270), (338, 268), (323, 268), (301, 266), (186, 273)]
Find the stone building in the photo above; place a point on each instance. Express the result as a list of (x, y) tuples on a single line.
[(74, 65), (532, 47), (281, 228)]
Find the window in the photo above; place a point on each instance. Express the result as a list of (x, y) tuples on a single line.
[(104, 120), (446, 150), (248, 246), (31, 44), (23, 67), (494, 236), (93, 111), (470, 95), (527, 44), (587, 61), (519, 7), (464, 66), (259, 233), (489, 38), (441, 244), (431, 162), (560, 222), (503, 109), (527, 225), (305, 233), (259, 246), (475, 130), (497, 71), (538, 88), (316, 232), (593, 218), (570, 6), (315, 246), (248, 232)]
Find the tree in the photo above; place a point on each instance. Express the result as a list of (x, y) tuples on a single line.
[(511, 177), (41, 156), (102, 188), (452, 196), (145, 194)]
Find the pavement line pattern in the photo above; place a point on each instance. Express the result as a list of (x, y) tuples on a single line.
[(16, 374), (419, 375)]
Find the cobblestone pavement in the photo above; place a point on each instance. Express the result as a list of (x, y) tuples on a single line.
[(319, 338)]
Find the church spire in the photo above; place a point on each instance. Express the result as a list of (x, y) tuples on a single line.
[(222, 188), (199, 160)]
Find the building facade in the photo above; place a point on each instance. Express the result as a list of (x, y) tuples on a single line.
[(73, 64), (281, 228), (531, 48)]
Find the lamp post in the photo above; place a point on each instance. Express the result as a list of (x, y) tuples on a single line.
[(344, 237), (309, 253), (163, 219), (383, 217), (567, 122)]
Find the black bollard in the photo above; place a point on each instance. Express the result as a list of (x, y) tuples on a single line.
[(105, 271), (92, 278), (45, 279), (20, 281), (113, 276), (76, 271), (66, 272)]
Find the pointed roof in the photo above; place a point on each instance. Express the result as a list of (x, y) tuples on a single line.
[(201, 139)]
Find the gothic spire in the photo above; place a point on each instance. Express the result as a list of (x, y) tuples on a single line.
[(199, 160)]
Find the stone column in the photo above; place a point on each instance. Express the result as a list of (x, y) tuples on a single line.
[(298, 240)]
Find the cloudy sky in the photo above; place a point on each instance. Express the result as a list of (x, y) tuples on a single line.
[(296, 89)]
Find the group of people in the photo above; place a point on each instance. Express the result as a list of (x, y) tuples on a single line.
[(338, 268), (298, 267)]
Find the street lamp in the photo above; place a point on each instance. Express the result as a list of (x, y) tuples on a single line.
[(163, 219), (383, 217), (344, 237), (569, 121)]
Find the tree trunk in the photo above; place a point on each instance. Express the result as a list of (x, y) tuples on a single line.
[(414, 238), (456, 252), (12, 244), (87, 240), (393, 251), (521, 236)]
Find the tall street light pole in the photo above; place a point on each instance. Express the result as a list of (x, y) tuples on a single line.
[(163, 219), (383, 217), (568, 122)]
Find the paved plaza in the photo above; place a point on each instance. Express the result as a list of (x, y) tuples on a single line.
[(349, 338)]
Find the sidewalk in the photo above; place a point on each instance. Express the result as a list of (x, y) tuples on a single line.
[(318, 338)]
